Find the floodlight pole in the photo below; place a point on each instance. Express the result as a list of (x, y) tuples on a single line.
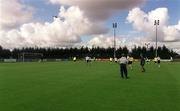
[(23, 56), (114, 28), (147, 44), (156, 22)]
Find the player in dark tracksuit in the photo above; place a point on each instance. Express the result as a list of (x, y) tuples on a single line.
[(142, 63)]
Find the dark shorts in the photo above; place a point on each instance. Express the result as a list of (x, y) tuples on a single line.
[(130, 62), (142, 64), (158, 61), (88, 61)]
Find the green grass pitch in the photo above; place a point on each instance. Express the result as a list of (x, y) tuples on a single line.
[(69, 86)]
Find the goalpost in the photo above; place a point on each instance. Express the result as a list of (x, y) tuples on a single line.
[(31, 57)]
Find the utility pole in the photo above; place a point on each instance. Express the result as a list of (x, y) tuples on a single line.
[(114, 29), (156, 23), (147, 44)]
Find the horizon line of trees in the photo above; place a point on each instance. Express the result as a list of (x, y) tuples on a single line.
[(97, 52)]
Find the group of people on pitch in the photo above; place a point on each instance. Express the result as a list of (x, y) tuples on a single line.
[(123, 61)]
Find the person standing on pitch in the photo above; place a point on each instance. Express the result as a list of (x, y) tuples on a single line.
[(155, 60), (87, 58), (74, 59), (123, 66), (158, 61), (130, 61), (142, 63)]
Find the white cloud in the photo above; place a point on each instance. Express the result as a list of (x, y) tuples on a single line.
[(172, 33), (106, 41), (168, 35), (100, 10), (101, 41), (81, 17), (13, 13), (144, 22), (63, 31)]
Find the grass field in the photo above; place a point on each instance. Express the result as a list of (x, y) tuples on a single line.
[(69, 86)]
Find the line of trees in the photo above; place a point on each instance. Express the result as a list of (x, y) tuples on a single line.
[(98, 52)]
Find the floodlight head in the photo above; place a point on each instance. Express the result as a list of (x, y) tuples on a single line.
[(114, 25), (156, 22)]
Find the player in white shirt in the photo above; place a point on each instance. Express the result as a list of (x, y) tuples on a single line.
[(155, 60), (110, 59), (115, 60), (123, 66), (130, 61), (158, 61), (74, 59), (87, 58)]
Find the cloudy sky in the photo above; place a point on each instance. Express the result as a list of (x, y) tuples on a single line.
[(30, 23)]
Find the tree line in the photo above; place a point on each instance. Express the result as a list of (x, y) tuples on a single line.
[(97, 52)]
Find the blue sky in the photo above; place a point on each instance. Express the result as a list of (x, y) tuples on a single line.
[(44, 11), (117, 11), (172, 5)]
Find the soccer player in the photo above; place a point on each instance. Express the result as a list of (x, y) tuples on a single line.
[(74, 59), (147, 60), (171, 59), (87, 59), (41, 58), (110, 59), (158, 61), (123, 68), (130, 61), (155, 60), (142, 63), (115, 60)]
